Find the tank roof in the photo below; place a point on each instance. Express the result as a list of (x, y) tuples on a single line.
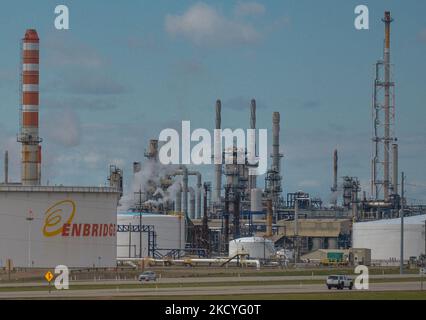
[(81, 189), (419, 219)]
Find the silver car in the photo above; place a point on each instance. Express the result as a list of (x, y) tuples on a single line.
[(147, 276)]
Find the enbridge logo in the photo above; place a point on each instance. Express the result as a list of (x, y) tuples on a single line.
[(54, 215), (58, 220)]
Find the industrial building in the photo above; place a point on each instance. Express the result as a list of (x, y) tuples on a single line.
[(222, 215), (45, 226), (171, 213)]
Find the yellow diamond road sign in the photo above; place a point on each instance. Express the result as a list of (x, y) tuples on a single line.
[(48, 276)]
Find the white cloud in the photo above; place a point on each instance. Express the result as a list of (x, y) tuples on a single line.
[(63, 128), (204, 25), (67, 51), (249, 8)]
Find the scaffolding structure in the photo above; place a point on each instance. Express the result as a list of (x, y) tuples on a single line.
[(383, 120)]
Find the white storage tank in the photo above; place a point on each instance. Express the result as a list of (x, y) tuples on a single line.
[(255, 247), (169, 234), (45, 226), (383, 237)]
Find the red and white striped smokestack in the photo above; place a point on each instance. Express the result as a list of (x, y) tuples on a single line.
[(29, 135)]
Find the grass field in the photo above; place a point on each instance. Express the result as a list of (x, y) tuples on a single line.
[(345, 295)]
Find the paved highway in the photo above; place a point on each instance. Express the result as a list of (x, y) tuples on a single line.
[(199, 291), (205, 280)]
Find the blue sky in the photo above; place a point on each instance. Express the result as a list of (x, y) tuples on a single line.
[(127, 69)]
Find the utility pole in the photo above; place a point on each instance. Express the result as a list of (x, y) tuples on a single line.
[(296, 230), (140, 222), (401, 258), (29, 218)]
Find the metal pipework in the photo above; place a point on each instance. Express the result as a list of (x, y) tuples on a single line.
[(395, 168), (226, 217), (386, 185), (269, 219), (335, 159), (276, 142), (6, 167), (191, 203), (183, 171), (185, 191), (376, 140), (199, 186), (354, 203), (218, 167), (252, 178), (236, 220), (205, 226), (178, 207)]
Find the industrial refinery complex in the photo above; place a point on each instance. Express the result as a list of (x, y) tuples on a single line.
[(170, 216)]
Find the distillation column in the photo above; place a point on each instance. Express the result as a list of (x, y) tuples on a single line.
[(218, 167), (252, 178)]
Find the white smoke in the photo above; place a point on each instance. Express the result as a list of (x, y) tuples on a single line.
[(174, 189), (63, 128), (149, 177)]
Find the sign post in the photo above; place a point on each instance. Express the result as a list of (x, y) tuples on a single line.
[(422, 271), (48, 276)]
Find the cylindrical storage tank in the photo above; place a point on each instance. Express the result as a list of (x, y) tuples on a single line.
[(254, 247), (169, 234), (46, 226), (383, 237)]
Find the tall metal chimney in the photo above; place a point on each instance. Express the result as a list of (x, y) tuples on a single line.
[(383, 121), (269, 219), (236, 214), (191, 203), (178, 203), (199, 186), (226, 218), (386, 185), (29, 135), (185, 191), (252, 178), (395, 168), (334, 188), (6, 167), (276, 142), (218, 167)]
